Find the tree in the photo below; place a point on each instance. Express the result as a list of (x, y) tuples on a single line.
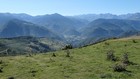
[(68, 47)]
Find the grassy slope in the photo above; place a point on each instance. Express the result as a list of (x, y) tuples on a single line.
[(85, 63), (22, 45)]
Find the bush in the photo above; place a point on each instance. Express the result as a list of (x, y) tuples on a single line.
[(11, 78), (125, 45), (111, 56), (1, 70), (105, 75), (67, 53), (1, 61), (33, 72), (106, 43), (53, 55), (125, 59), (119, 67), (134, 41)]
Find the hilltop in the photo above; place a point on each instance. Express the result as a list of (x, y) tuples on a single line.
[(84, 63)]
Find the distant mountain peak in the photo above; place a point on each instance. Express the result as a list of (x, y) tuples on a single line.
[(56, 14)]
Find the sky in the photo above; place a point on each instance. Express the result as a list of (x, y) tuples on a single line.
[(69, 7)]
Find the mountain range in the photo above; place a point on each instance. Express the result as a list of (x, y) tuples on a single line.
[(91, 17), (76, 30)]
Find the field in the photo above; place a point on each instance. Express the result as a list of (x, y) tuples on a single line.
[(88, 62)]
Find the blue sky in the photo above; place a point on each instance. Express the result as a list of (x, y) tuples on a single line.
[(69, 7)]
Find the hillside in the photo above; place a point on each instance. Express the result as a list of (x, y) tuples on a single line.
[(101, 29), (27, 45), (114, 27), (88, 62), (15, 28)]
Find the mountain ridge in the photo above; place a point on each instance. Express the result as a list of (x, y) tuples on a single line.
[(72, 29), (15, 28)]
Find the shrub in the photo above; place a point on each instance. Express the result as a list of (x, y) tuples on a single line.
[(119, 67), (11, 78), (106, 43), (1, 70), (125, 59), (125, 45), (105, 75), (33, 72), (67, 53), (111, 56), (1, 61), (134, 41), (53, 55)]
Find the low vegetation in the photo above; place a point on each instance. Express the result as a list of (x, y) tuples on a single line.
[(111, 56), (26, 45), (90, 62), (119, 67)]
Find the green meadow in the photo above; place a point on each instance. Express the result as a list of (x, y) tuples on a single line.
[(88, 62)]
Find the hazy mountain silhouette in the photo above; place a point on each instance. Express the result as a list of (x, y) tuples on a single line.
[(15, 28), (78, 28)]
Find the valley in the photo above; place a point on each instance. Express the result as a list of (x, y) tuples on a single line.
[(76, 30), (69, 39)]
